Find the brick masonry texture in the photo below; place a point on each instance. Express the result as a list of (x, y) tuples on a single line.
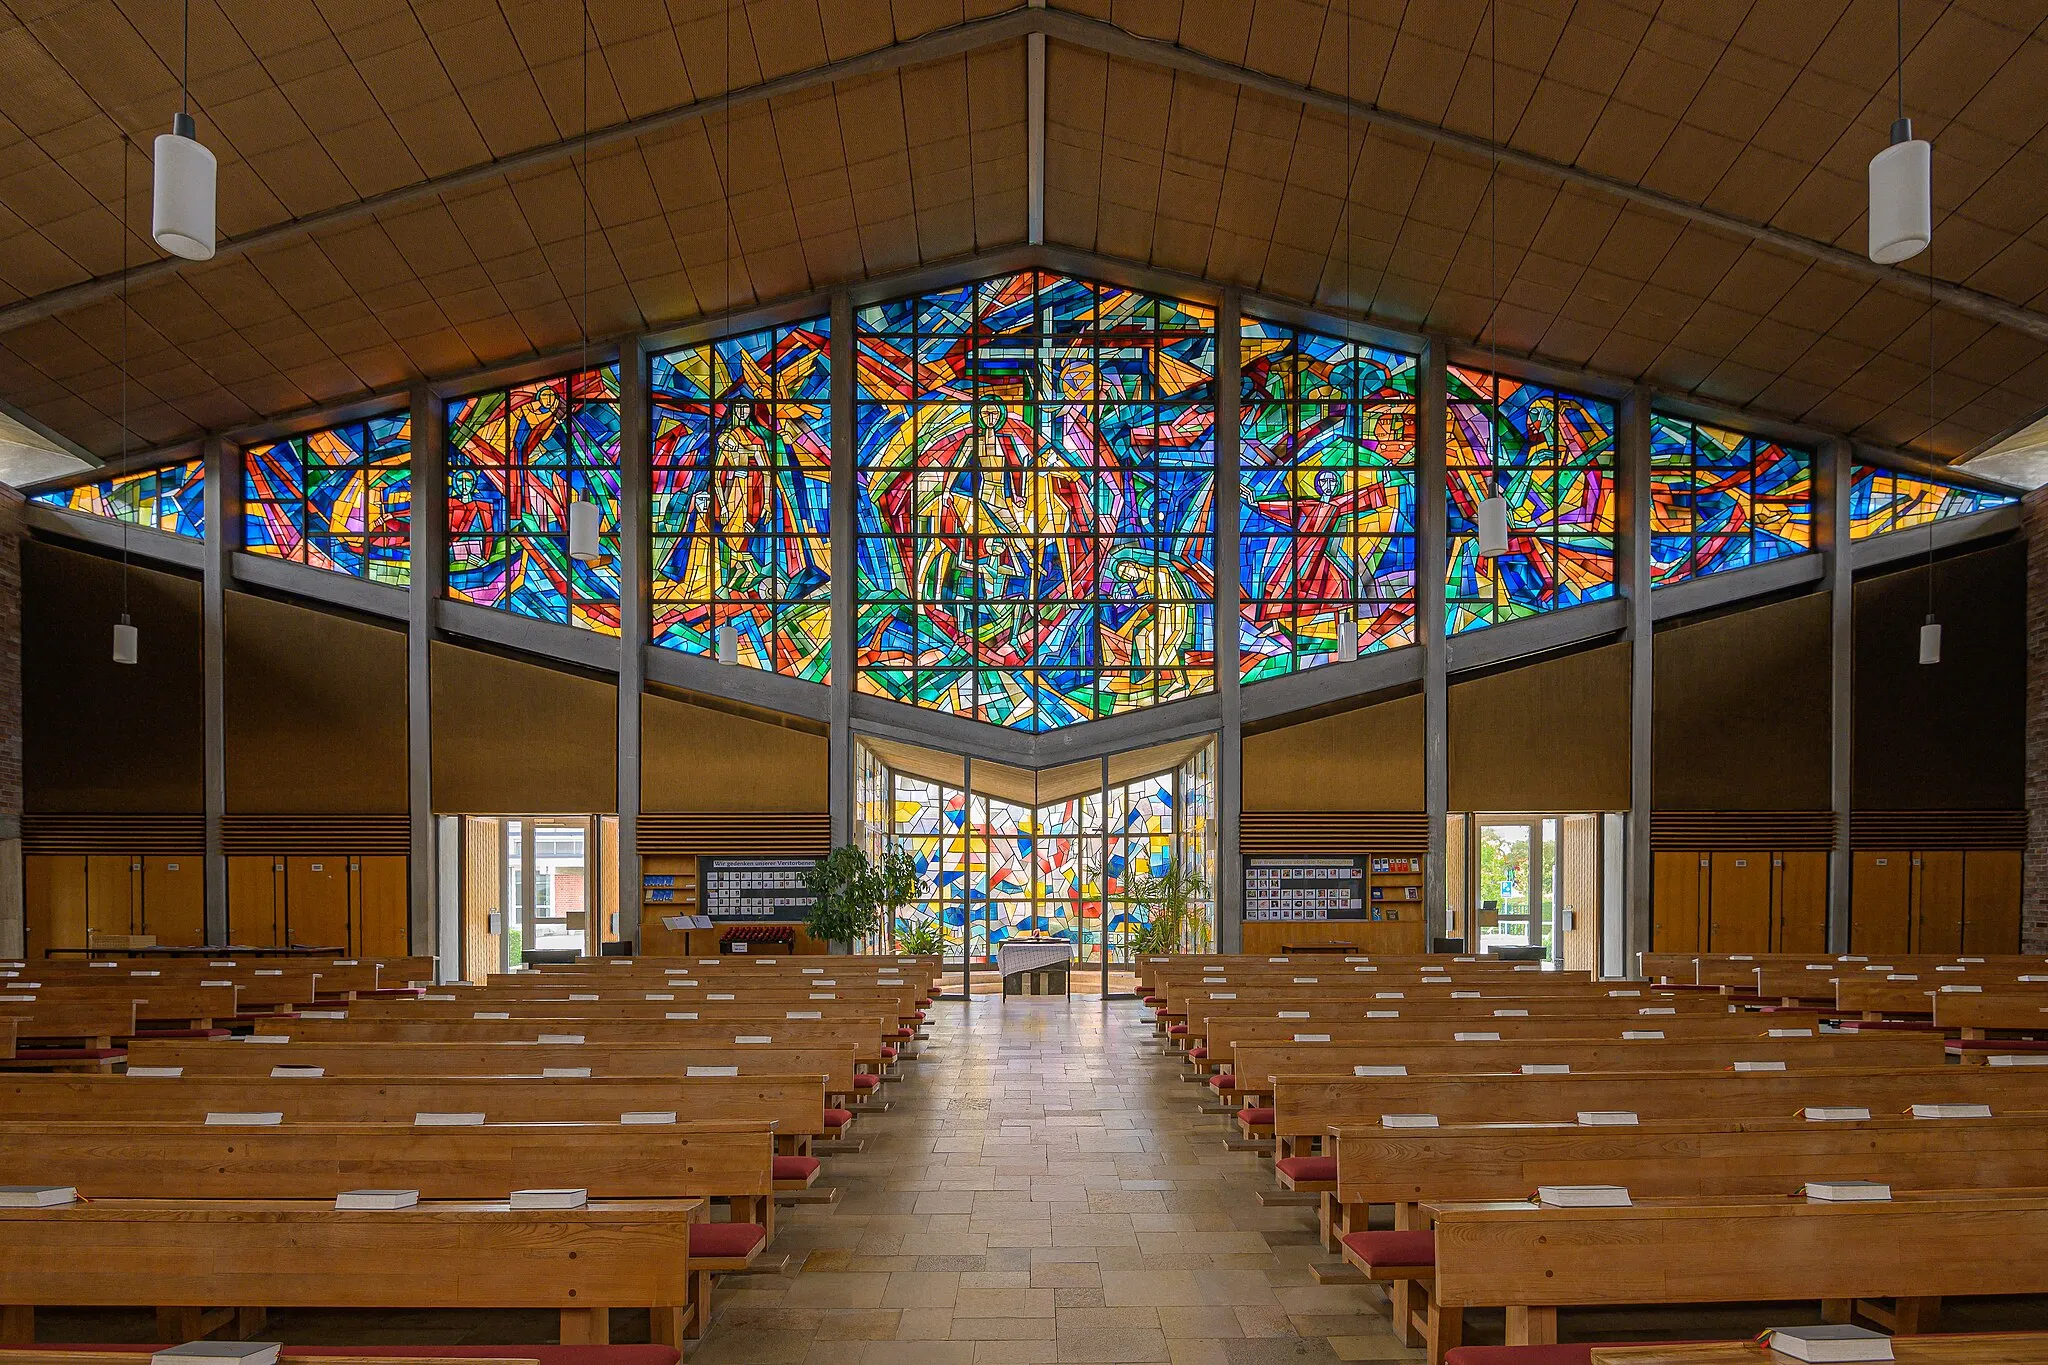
[(2034, 897)]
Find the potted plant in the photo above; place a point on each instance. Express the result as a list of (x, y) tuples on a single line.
[(850, 894), (1171, 898)]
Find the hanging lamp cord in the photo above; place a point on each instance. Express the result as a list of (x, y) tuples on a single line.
[(124, 363), (1493, 239)]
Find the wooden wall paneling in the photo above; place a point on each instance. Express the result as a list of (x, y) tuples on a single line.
[(380, 907), (1991, 901), (480, 892), (174, 899), (54, 889), (1261, 937), (1739, 913), (1678, 883), (1880, 901), (112, 892), (1937, 901), (316, 896), (617, 915), (1549, 735), (1367, 759), (1579, 849), (255, 900), (1799, 901), (1457, 879), (515, 736), (704, 757)]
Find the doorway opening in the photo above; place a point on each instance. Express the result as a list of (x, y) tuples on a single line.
[(1532, 885), (537, 888)]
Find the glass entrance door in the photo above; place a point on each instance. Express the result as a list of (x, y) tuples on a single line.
[(1507, 868)]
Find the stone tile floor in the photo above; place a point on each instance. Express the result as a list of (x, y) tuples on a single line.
[(1043, 1189)]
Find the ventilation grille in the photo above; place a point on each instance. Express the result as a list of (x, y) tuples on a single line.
[(1965, 829), (1742, 829), (88, 834), (1342, 833), (736, 834), (300, 835)]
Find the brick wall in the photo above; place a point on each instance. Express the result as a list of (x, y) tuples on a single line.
[(2034, 898)]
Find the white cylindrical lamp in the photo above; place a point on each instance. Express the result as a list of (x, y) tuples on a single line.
[(1493, 526), (182, 220), (1347, 639), (1901, 197), (728, 644), (1930, 642), (127, 641), (583, 524)]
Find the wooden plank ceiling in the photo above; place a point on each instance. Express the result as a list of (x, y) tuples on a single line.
[(1763, 109)]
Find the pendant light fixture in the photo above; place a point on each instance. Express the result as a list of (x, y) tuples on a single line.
[(186, 176), (127, 640), (728, 644), (584, 544), (1493, 508), (1901, 181)]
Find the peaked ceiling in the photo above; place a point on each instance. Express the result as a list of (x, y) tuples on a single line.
[(1680, 200)]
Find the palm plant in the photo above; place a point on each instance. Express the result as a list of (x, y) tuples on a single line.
[(1171, 898)]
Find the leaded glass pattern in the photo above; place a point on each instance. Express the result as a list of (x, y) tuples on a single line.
[(1721, 500), (1884, 500), (1036, 522), (1326, 509), (1555, 467), (338, 499), (742, 498), (171, 499), (517, 457)]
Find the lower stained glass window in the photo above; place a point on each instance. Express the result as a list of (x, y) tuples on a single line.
[(339, 499), (1555, 468), (742, 498), (1036, 522), (1884, 500), (1326, 509), (517, 457), (1720, 500), (171, 499)]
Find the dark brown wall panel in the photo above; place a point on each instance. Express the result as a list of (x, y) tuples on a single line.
[(1950, 736), (1367, 759), (315, 710), (514, 738), (1546, 736), (697, 758), (100, 736), (1741, 712)]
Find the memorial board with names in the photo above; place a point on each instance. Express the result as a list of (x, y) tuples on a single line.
[(1305, 890), (754, 890)]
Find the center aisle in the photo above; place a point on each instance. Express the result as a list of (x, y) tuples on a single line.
[(1045, 1190)]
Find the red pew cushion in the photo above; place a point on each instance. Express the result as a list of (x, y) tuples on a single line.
[(1178, 1030), (1223, 1080), (1263, 1114), (1198, 1052), (864, 1081), (796, 1167), (182, 1033), (1307, 1167), (67, 1054), (838, 1118), (547, 1355), (889, 1051), (1394, 1248), (720, 1240)]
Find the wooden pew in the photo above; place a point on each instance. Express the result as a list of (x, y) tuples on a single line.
[(291, 1254), (74, 1034), (1961, 1348), (1916, 1249)]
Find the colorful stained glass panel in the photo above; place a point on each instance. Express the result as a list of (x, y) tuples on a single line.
[(1721, 500), (338, 499), (1884, 500), (171, 499)]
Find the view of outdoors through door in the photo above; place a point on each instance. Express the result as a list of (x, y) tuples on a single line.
[(1528, 884), (528, 890)]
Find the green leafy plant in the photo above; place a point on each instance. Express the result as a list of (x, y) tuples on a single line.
[(921, 938), (1171, 898), (851, 894)]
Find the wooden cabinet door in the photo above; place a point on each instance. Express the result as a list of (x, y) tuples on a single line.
[(380, 922), (481, 863), (1676, 901), (1880, 901), (174, 900), (53, 888), (112, 889), (1799, 901), (1937, 901), (255, 901), (1739, 913), (316, 902), (1991, 901)]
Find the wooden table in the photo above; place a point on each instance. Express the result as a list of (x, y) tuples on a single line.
[(305, 1254)]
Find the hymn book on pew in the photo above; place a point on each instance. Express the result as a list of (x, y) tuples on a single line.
[(549, 1199), (1847, 1192), (36, 1196), (1583, 1196), (364, 1201), (236, 1352), (1831, 1342)]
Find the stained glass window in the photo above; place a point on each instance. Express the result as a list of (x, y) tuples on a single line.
[(1885, 500), (1036, 521), (1722, 500), (339, 499), (1327, 497), (517, 457), (171, 499), (742, 509), (993, 868), (1555, 467)]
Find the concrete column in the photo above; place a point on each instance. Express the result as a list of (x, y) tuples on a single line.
[(1432, 564), (1833, 463), (635, 618), (429, 550), (223, 516), (13, 908), (2034, 894), (840, 791), (1230, 740), (1632, 457)]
